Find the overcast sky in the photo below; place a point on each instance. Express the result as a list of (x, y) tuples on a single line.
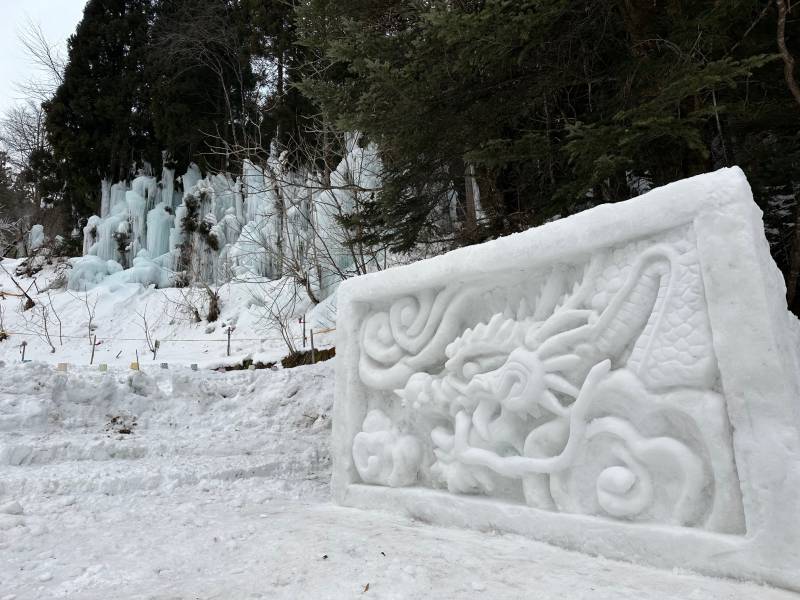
[(58, 19)]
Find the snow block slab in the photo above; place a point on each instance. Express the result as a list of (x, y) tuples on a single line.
[(622, 382)]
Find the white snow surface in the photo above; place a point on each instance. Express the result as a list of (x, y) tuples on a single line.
[(119, 307), (221, 491)]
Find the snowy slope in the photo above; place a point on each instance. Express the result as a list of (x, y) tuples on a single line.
[(221, 491), (119, 325)]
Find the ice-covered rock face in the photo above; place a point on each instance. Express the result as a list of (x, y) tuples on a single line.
[(614, 382), (220, 226)]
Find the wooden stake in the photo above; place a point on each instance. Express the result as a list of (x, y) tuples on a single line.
[(229, 341), (313, 351), (94, 343), (29, 303)]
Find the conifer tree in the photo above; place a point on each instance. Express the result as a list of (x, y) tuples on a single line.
[(8, 197), (99, 122), (556, 104), (199, 67)]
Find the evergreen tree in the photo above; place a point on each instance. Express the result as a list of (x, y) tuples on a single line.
[(556, 104), (43, 181), (99, 123), (549, 106), (8, 197), (199, 66), (287, 115)]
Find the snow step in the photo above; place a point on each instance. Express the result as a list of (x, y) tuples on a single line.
[(120, 478)]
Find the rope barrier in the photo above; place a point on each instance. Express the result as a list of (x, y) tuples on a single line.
[(116, 339), (162, 340)]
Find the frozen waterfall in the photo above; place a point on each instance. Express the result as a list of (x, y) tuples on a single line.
[(271, 221)]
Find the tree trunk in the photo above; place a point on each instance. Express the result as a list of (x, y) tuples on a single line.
[(788, 59), (470, 207), (280, 99)]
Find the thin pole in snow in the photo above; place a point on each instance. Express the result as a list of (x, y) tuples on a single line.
[(229, 341), (313, 352), (94, 343)]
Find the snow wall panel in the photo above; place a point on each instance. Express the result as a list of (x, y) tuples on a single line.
[(622, 382)]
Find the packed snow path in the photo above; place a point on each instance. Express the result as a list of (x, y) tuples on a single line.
[(180, 484)]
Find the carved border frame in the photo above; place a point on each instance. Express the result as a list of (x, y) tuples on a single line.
[(748, 316)]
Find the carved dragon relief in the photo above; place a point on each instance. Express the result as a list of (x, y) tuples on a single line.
[(590, 391)]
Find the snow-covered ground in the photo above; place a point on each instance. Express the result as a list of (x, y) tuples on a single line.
[(220, 490), (118, 312), (173, 483)]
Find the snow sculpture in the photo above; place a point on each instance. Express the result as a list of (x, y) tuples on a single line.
[(613, 382), (383, 455)]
